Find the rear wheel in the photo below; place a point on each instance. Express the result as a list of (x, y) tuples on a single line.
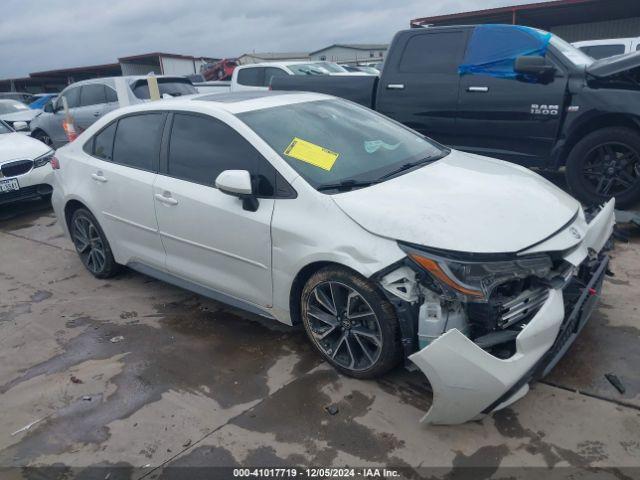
[(606, 164), (351, 323), (92, 245)]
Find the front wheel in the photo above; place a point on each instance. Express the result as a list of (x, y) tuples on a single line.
[(606, 164), (92, 245), (351, 323)]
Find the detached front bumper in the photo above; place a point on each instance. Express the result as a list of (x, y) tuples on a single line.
[(468, 382)]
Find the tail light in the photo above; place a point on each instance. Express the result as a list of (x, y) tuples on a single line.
[(55, 163)]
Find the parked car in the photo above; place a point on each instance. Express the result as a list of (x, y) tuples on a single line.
[(23, 97), (221, 70), (611, 47), (553, 109), (384, 244), (89, 100), (16, 114), (361, 68), (41, 99), (22, 162)]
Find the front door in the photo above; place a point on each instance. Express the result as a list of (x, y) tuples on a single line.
[(508, 118), (208, 236)]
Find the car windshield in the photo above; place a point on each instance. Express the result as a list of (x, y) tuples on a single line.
[(332, 67), (4, 128), (308, 69), (330, 142), (12, 106), (571, 53)]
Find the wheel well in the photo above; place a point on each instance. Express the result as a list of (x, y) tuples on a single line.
[(69, 208), (297, 286), (597, 123)]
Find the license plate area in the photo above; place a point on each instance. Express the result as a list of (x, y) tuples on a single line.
[(9, 185)]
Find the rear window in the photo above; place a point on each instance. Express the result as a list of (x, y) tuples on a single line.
[(175, 87), (92, 95), (252, 77), (137, 141), (603, 51)]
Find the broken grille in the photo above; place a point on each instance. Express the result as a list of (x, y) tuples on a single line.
[(521, 307)]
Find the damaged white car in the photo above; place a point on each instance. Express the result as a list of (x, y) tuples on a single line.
[(387, 246)]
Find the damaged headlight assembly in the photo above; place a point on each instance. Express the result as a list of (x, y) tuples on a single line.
[(469, 280)]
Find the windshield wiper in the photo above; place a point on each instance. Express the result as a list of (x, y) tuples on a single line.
[(346, 185), (407, 166)]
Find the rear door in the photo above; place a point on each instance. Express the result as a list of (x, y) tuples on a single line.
[(511, 119), (92, 105), (208, 236), (419, 85), (122, 169)]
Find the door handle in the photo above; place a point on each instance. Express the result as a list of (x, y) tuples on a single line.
[(166, 198), (395, 86), (98, 177), (96, 114), (478, 89)]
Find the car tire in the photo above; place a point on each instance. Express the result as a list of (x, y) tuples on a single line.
[(92, 244), (605, 164), (350, 322), (43, 137)]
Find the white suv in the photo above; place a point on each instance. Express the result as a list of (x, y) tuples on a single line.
[(384, 244)]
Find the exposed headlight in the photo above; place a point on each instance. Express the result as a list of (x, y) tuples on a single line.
[(474, 281), (42, 160)]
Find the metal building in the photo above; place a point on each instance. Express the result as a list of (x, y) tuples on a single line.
[(573, 20), (351, 52)]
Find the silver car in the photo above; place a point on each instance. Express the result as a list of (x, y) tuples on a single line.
[(89, 100)]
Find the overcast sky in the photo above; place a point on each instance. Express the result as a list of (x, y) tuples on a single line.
[(38, 35)]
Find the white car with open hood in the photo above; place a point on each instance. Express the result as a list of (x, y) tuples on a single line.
[(24, 171), (385, 245)]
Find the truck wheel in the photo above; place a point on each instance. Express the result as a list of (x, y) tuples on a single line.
[(351, 323), (606, 164)]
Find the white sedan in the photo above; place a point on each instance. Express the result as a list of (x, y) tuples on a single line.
[(22, 162), (385, 245)]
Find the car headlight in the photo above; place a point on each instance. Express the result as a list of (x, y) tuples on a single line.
[(474, 281), (42, 160)]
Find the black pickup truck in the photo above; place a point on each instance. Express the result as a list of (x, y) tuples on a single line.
[(514, 93)]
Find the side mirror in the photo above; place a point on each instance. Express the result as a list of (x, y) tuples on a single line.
[(238, 184), (49, 107), (21, 126), (534, 65)]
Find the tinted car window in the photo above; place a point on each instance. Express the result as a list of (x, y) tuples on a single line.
[(137, 141), (603, 51), (175, 87), (433, 53), (73, 97), (201, 148), (92, 95), (252, 77), (111, 94), (271, 72), (103, 143)]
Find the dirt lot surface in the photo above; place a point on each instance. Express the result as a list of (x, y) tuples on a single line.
[(143, 378)]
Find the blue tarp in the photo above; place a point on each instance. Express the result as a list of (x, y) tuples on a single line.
[(493, 49)]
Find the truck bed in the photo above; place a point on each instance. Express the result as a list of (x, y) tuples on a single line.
[(359, 89)]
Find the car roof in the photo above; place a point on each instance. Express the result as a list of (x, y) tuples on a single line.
[(111, 80), (283, 64), (234, 103)]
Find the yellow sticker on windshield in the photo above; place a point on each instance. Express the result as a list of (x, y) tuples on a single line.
[(311, 153)]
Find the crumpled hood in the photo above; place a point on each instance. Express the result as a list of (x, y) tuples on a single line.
[(464, 203), (614, 65), (17, 146)]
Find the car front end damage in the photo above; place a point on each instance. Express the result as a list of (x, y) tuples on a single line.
[(483, 327)]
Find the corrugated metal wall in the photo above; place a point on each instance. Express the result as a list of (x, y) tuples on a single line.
[(177, 66), (129, 68), (625, 27)]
